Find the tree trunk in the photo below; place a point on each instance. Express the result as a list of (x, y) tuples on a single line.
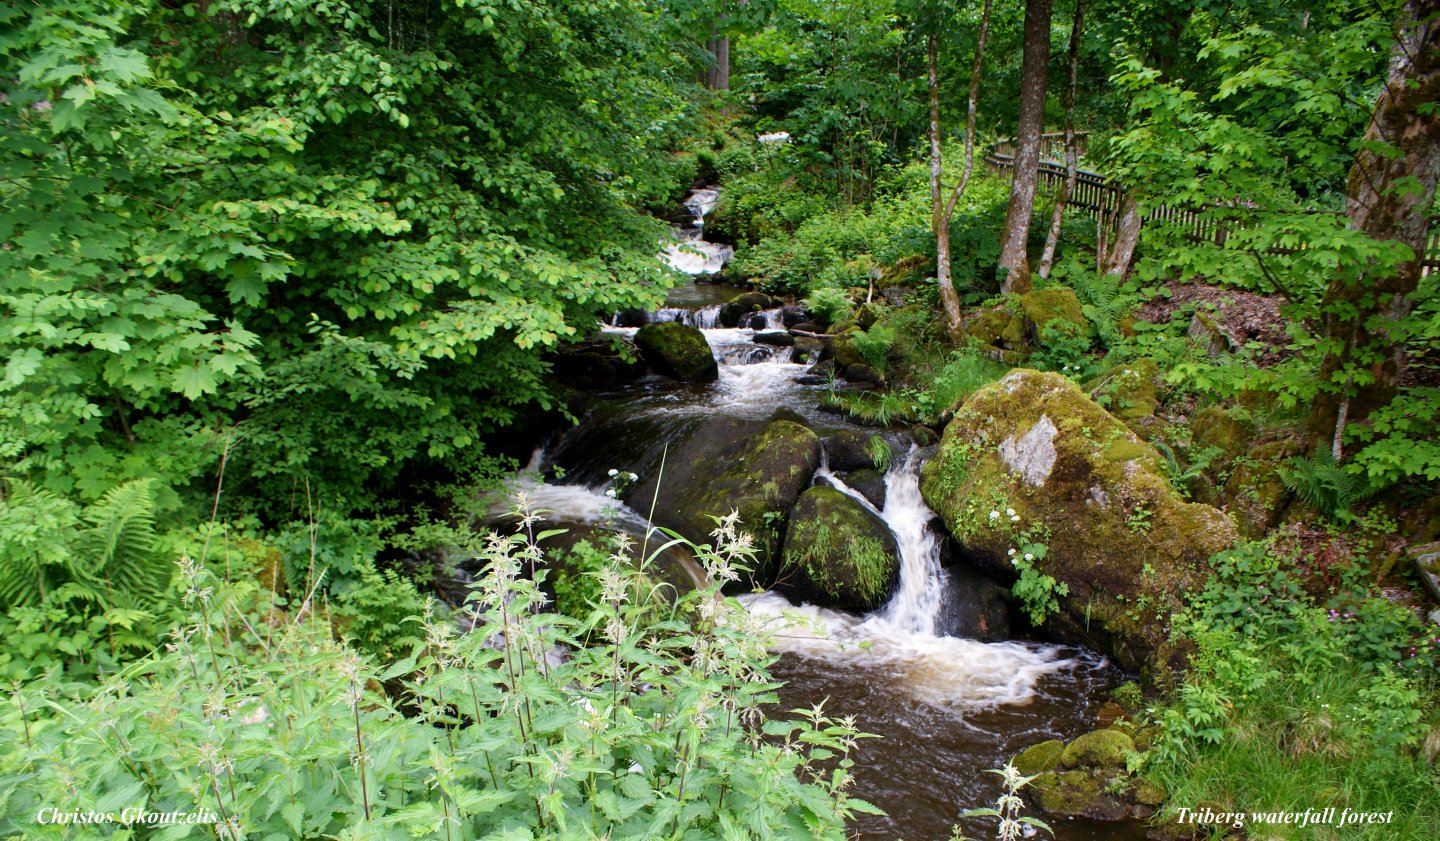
[(1120, 252), (1052, 240), (1391, 184), (1013, 259), (941, 209), (717, 75), (939, 219)]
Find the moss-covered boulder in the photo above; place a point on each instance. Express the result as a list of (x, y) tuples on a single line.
[(1126, 546), (906, 270), (756, 468), (677, 350), (1128, 390), (842, 555), (1255, 495), (1053, 308), (1078, 794), (1226, 429), (743, 304), (1098, 749), (844, 351), (1037, 759), (995, 326)]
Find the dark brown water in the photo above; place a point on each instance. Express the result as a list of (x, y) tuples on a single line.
[(946, 710), (930, 763)]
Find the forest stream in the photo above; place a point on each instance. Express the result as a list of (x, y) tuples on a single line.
[(946, 708)]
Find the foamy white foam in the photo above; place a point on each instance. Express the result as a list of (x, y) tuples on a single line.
[(899, 640), (943, 671)]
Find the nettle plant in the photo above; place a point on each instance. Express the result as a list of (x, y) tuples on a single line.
[(531, 725)]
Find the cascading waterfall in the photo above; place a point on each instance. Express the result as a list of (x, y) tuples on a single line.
[(900, 638), (945, 706), (692, 254), (917, 601)]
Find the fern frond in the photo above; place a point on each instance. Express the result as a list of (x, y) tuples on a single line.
[(118, 550), (1324, 484), (36, 529)]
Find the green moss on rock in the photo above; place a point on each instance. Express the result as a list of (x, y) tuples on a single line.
[(745, 303), (1126, 545), (677, 350), (1128, 390), (757, 469), (1053, 307), (1254, 495), (1040, 758), (996, 326), (1147, 793), (1098, 749), (1227, 430), (1077, 794), (845, 554), (845, 351)]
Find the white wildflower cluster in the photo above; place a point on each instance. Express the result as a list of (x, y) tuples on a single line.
[(190, 574), (619, 481), (1070, 370), (349, 668), (1009, 512), (733, 549), (1013, 826)]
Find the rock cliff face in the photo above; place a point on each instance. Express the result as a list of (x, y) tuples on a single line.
[(1085, 487)]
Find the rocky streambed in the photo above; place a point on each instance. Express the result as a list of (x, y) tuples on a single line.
[(887, 558)]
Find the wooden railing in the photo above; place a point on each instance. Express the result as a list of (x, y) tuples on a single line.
[(1100, 196)]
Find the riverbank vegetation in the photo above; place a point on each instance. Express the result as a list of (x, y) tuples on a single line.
[(284, 287)]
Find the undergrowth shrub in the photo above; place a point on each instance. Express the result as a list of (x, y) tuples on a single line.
[(1293, 700), (531, 725)]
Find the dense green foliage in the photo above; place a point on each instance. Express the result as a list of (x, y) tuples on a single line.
[(650, 729), (1296, 700), (344, 231)]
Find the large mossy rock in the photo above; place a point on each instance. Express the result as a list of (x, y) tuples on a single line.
[(677, 350), (755, 468), (1053, 308), (1099, 749), (1126, 545), (843, 555), (996, 326), (744, 304)]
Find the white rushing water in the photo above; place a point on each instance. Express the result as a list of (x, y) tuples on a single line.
[(899, 640), (579, 505), (692, 254)]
